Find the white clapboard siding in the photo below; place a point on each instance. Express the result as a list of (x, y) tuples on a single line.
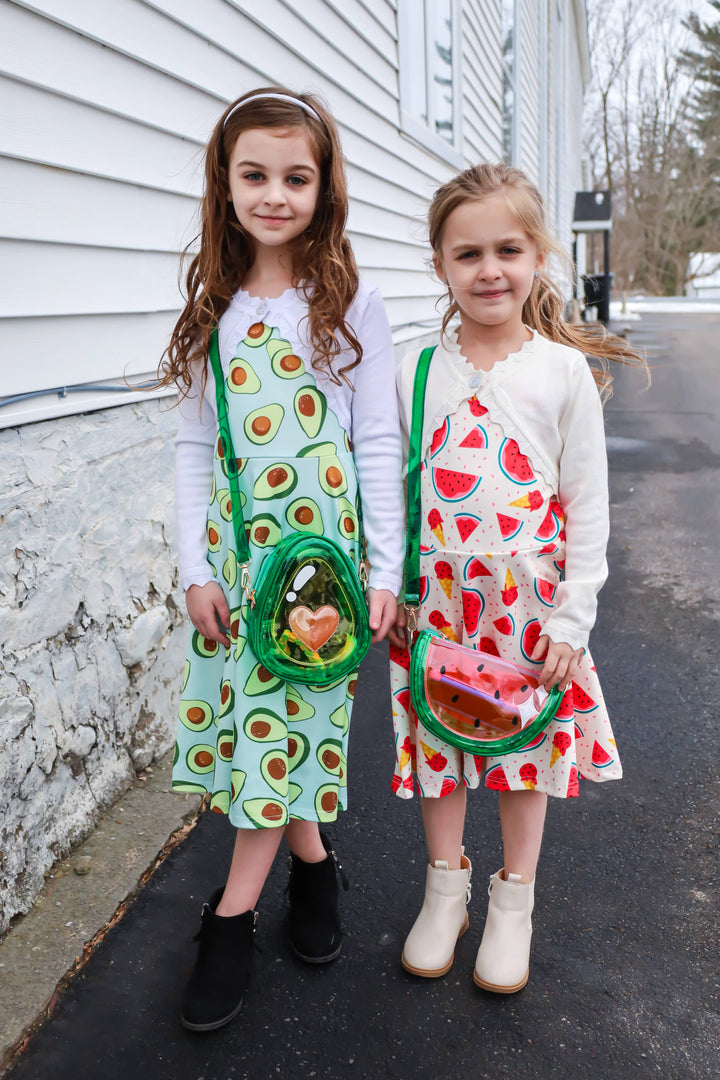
[(106, 107), (482, 82), (84, 280), (37, 353), (530, 89), (52, 205)]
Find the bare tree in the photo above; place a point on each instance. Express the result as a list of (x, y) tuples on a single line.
[(643, 143)]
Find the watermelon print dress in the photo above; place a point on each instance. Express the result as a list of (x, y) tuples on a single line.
[(267, 750), (491, 556)]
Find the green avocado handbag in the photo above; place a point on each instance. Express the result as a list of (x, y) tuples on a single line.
[(470, 699), (307, 617)]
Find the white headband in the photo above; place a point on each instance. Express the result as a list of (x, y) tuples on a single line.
[(274, 97)]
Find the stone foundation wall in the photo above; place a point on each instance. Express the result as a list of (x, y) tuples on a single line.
[(91, 627)]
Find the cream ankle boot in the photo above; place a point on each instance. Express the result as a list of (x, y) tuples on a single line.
[(502, 963), (430, 947)]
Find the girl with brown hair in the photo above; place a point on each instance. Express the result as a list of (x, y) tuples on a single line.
[(306, 356), (514, 531)]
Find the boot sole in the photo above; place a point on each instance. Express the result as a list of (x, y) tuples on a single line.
[(213, 1025), (317, 959), (436, 973), (494, 989)]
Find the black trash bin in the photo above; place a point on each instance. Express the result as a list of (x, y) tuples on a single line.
[(597, 294)]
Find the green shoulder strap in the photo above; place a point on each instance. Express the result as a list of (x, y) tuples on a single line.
[(414, 510), (243, 548)]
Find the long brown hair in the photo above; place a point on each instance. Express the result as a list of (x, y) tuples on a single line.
[(323, 262), (544, 309)]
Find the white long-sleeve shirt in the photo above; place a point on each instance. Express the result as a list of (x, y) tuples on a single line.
[(544, 397), (369, 415)]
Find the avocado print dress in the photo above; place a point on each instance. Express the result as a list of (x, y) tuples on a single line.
[(491, 557), (266, 750)]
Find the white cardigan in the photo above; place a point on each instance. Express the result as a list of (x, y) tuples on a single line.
[(544, 397), (369, 415)]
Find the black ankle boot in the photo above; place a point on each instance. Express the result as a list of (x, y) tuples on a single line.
[(221, 974), (314, 920)]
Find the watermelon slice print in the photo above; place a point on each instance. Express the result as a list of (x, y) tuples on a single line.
[(549, 528), (476, 408), (474, 568), (487, 645), (476, 439), (566, 709), (473, 606), (505, 625), (466, 525), (600, 757), (401, 657), (448, 785), (545, 591), (573, 789), (537, 741), (495, 778), (529, 639), (582, 701), (403, 699), (424, 588), (509, 526), (440, 437), (452, 485), (396, 782), (515, 464)]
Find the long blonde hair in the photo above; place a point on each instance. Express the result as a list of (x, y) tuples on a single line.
[(323, 261), (544, 309)]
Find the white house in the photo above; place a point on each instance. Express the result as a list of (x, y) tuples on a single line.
[(105, 107)]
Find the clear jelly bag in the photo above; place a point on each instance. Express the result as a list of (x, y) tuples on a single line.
[(309, 623), (474, 701)]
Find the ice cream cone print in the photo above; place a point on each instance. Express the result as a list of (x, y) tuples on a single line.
[(405, 754), (434, 758), (561, 742), (436, 526), (528, 775), (438, 620), (531, 500), (445, 577), (509, 593)]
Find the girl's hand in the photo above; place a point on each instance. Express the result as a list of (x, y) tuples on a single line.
[(397, 634), (561, 662), (209, 612), (382, 609)]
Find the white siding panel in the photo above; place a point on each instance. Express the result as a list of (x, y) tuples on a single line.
[(86, 71), (482, 82), (38, 202), (84, 280), (39, 126), (530, 89), (382, 11), (44, 352)]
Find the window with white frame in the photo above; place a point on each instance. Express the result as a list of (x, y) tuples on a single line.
[(429, 43)]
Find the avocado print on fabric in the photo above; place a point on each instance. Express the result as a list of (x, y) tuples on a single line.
[(265, 749)]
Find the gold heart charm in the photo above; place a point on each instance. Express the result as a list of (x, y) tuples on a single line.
[(314, 628)]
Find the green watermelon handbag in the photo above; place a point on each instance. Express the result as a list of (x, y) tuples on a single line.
[(474, 701), (307, 617)]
